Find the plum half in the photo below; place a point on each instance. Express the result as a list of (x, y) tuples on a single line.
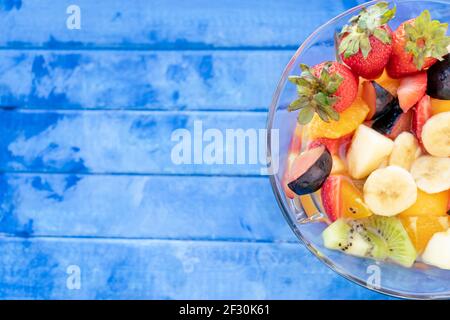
[(377, 98), (394, 121), (439, 79), (310, 170)]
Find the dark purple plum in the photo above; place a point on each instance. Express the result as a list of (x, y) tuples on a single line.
[(377, 98), (310, 170), (438, 86), (394, 121)]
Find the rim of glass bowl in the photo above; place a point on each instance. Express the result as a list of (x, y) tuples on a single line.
[(276, 186)]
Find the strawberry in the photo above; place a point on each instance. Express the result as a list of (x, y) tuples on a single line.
[(333, 145), (416, 45), (327, 89), (411, 90), (330, 194), (422, 112), (365, 44)]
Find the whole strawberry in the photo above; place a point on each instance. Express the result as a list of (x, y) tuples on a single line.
[(416, 45), (365, 44), (326, 89)]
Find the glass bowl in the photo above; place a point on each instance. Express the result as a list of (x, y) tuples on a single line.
[(304, 214)]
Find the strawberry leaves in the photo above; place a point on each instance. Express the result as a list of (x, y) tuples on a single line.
[(426, 38), (356, 35), (315, 94)]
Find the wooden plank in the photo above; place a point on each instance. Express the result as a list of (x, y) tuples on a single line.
[(37, 268), (161, 24), (220, 208), (121, 142), (205, 80)]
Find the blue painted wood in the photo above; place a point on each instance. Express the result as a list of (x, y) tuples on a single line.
[(115, 142), (104, 192), (118, 269), (161, 24), (206, 80), (179, 207)]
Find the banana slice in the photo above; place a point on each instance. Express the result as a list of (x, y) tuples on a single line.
[(432, 174), (406, 151), (389, 191), (436, 135)]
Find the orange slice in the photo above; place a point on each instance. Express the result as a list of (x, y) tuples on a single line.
[(352, 204), (439, 106), (349, 120), (421, 229), (428, 205)]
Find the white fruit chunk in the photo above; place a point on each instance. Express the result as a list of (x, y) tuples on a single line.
[(432, 174), (436, 135), (437, 252), (406, 150), (367, 151), (389, 191)]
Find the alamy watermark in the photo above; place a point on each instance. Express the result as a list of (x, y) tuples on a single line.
[(73, 21), (374, 278), (73, 281), (226, 147)]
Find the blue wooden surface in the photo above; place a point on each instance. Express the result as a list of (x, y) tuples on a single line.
[(86, 178)]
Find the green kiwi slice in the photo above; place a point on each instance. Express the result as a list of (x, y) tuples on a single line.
[(390, 229), (354, 239)]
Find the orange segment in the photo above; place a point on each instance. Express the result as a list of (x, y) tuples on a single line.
[(388, 83), (308, 205), (439, 106), (428, 205), (421, 229), (352, 204), (349, 120), (339, 166)]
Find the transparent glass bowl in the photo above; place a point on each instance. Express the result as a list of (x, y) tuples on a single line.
[(421, 281)]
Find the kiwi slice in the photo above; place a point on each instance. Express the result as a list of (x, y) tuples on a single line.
[(379, 248), (390, 229), (354, 239)]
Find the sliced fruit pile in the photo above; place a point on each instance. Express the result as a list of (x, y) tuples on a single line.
[(376, 127)]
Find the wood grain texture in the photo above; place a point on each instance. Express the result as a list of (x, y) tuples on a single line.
[(117, 269), (205, 80), (116, 142), (179, 207), (162, 25), (86, 176)]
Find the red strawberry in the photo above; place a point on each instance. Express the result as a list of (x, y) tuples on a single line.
[(416, 45), (327, 88), (330, 194), (411, 90), (366, 42), (348, 89), (422, 112), (333, 145)]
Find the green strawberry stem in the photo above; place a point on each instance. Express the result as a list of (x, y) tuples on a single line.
[(315, 94), (426, 38), (356, 35)]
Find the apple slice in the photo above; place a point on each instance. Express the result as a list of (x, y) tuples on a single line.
[(368, 150), (437, 252)]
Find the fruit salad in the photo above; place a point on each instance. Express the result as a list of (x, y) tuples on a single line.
[(373, 139)]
